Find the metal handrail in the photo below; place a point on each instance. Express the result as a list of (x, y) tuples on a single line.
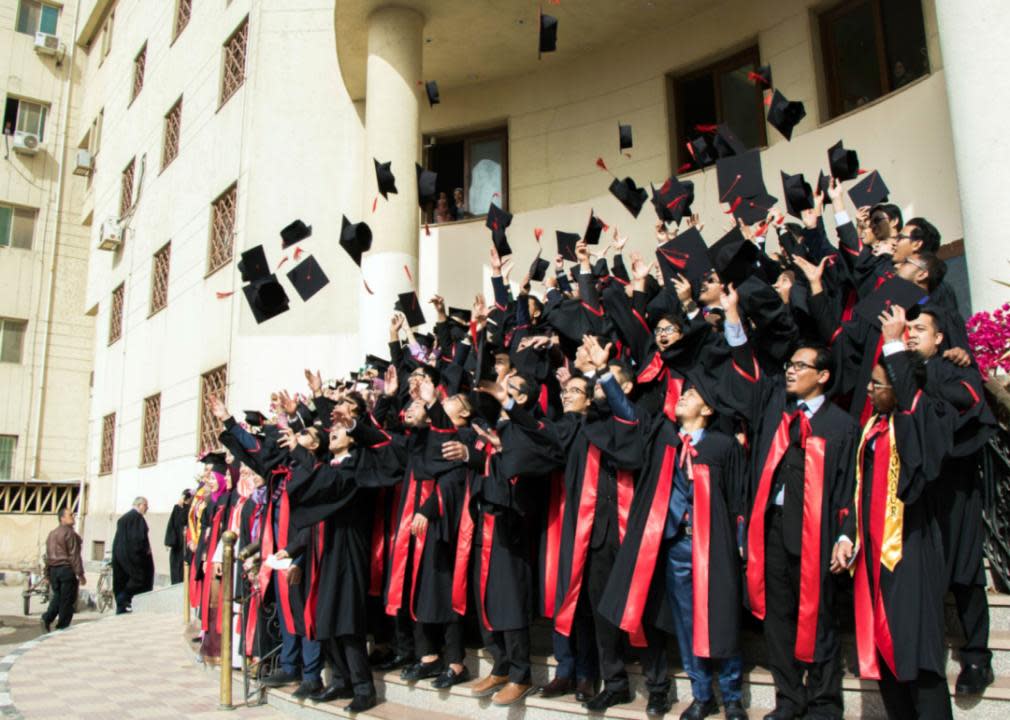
[(994, 470)]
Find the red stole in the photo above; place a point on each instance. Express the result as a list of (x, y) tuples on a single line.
[(555, 518), (269, 543), (315, 563), (580, 548), (208, 573), (401, 546), (656, 370), (377, 565)]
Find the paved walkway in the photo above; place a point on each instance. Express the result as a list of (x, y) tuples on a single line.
[(117, 668)]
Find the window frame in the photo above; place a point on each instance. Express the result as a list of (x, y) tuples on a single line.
[(139, 67), (180, 20), (149, 428), (4, 321), (127, 181), (161, 264), (222, 258), (107, 448), (176, 111), (42, 6), (228, 92), (117, 309), (43, 107), (15, 209), (209, 427), (11, 457), (468, 138), (106, 46)]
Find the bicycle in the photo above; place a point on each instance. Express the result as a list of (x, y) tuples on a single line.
[(104, 596), (36, 583)]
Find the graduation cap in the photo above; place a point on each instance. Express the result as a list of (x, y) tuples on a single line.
[(254, 418), (705, 385), (759, 301), (356, 239), (431, 89), (548, 34), (426, 340), (266, 298), (869, 191), (593, 230), (740, 176), (754, 209), (486, 406), (374, 361), (734, 257), (624, 134), (600, 268), (425, 185), (895, 291), (823, 185), (566, 245), (539, 268), (799, 196), (308, 278), (497, 221), (784, 114), (726, 143), (701, 152), (295, 232), (217, 460), (253, 265), (763, 75), (844, 163), (687, 255), (384, 178), (631, 196), (409, 305), (673, 200), (460, 314)]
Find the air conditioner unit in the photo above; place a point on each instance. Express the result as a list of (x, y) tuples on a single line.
[(46, 44), (85, 163), (26, 143), (112, 235)]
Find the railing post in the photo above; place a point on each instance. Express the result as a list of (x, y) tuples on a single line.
[(185, 594), (227, 573)]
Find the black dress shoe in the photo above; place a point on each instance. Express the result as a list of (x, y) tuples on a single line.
[(700, 709), (422, 671), (450, 677), (556, 688), (585, 690), (360, 703), (973, 679), (331, 693), (659, 704), (307, 688), (608, 698), (394, 663), (735, 711), (278, 678), (780, 714), (45, 625)]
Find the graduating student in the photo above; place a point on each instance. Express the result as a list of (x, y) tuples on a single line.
[(890, 538), (175, 535)]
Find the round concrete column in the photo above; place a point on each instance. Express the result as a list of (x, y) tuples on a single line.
[(393, 133), (975, 56)]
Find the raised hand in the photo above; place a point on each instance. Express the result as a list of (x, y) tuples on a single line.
[(683, 287), (315, 381), (892, 324), (218, 409), (288, 403), (391, 381)]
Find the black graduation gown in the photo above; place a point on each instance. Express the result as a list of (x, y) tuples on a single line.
[(909, 594), (175, 540), (636, 594), (132, 564)]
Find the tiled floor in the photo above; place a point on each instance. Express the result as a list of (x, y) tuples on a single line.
[(119, 668)]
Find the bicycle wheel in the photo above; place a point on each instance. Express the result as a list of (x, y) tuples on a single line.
[(27, 596), (103, 594)]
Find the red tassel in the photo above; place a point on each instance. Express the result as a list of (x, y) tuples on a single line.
[(782, 219), (860, 171), (554, 2), (606, 227), (690, 149), (754, 77), (768, 100), (537, 232), (734, 206), (496, 194), (375, 202), (367, 289), (676, 201), (223, 295), (706, 128), (410, 278), (283, 260), (666, 186), (298, 252), (685, 167), (602, 165)]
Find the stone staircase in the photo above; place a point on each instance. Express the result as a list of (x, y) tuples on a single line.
[(862, 699)]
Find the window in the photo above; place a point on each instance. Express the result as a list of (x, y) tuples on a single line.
[(97, 550), (159, 279), (107, 35), (183, 9), (26, 117), (871, 48), (34, 16), (173, 125), (12, 339), (20, 498), (108, 441), (222, 229), (126, 190), (8, 444), (477, 164), (212, 383), (17, 227), (152, 421), (234, 61), (116, 314), (139, 63), (719, 93)]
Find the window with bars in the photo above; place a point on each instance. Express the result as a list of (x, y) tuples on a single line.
[(233, 74), (108, 443), (17, 227), (139, 63), (116, 313), (12, 339), (222, 229), (8, 444), (159, 278), (152, 422), (183, 9), (126, 190), (213, 383), (173, 126), (38, 498)]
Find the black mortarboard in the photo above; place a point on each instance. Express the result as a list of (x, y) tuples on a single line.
[(308, 278), (376, 362), (254, 418), (740, 176), (295, 232), (426, 340), (410, 306), (539, 268), (593, 230), (266, 298), (461, 314), (823, 185), (844, 163), (486, 406), (425, 185), (631, 196), (701, 152), (624, 135), (600, 268), (705, 385), (734, 257), (497, 219), (431, 89), (384, 178), (548, 34), (673, 200), (869, 191), (566, 245), (213, 458), (763, 75), (895, 291), (726, 143), (356, 239), (759, 301), (253, 265), (754, 209), (501, 243), (798, 195), (784, 114), (686, 254)]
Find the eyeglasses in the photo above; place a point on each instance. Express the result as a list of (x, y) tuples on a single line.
[(574, 390), (799, 365), (874, 385), (663, 330), (910, 261)]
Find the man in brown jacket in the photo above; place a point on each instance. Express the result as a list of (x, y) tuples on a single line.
[(65, 569)]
